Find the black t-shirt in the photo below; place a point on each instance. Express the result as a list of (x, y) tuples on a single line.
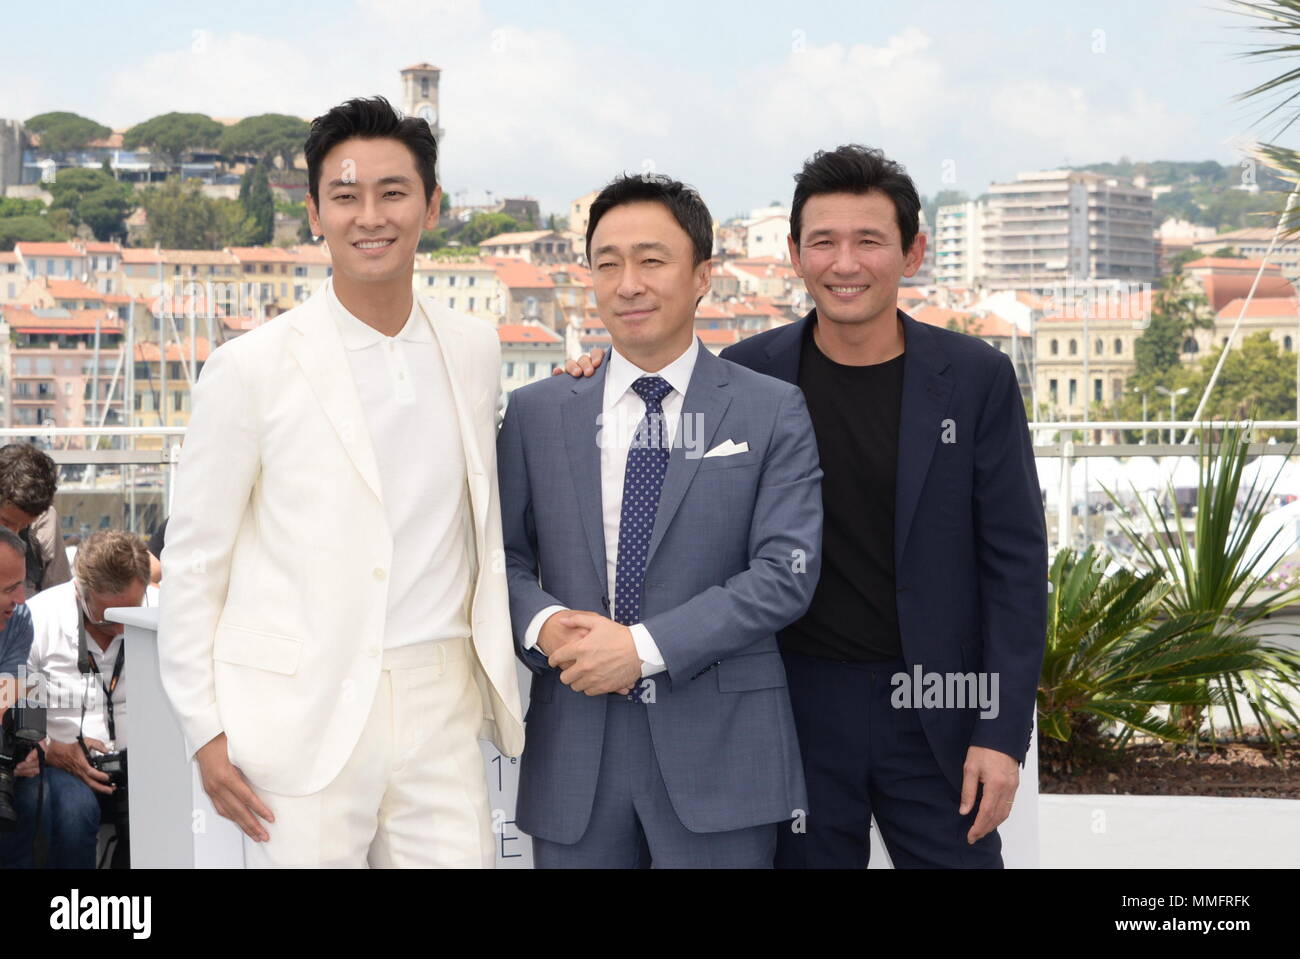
[(855, 414)]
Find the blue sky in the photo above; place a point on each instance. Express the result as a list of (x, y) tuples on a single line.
[(551, 99)]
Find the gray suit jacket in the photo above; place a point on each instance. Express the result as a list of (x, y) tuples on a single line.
[(734, 557)]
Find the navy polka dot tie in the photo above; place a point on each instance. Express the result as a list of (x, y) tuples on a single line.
[(647, 462)]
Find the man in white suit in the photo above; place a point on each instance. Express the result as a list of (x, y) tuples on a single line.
[(335, 634)]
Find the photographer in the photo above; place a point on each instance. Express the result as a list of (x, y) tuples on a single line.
[(28, 480), (81, 657)]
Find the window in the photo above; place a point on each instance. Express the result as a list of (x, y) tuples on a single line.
[(510, 370), (1286, 343), (470, 281), (452, 303), (451, 280), (1119, 346), (1099, 347), (299, 271), (1096, 391), (1056, 347), (1190, 345), (471, 304), (178, 401), (1074, 349), (1074, 392), (429, 281), (532, 370), (1052, 391)]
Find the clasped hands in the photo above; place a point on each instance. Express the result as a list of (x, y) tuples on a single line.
[(595, 654)]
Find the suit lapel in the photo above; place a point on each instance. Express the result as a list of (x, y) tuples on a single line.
[(450, 338), (785, 351), (581, 415), (927, 387), (703, 407), (319, 350)]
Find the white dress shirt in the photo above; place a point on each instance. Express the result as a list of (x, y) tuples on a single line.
[(405, 390), (55, 620), (622, 411)]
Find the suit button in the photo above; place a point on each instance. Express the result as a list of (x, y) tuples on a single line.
[(379, 574)]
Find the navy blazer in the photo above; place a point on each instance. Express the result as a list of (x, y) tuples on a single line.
[(970, 543)]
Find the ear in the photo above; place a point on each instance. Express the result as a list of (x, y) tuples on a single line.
[(703, 279), (794, 255), (435, 207), (313, 217), (915, 256)]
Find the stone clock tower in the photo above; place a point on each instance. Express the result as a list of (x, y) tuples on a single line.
[(420, 98)]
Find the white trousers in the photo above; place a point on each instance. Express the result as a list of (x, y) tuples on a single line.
[(414, 791)]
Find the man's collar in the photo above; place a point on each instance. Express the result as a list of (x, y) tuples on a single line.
[(358, 335), (623, 372)]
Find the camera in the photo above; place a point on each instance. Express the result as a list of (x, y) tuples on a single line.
[(22, 731), (113, 764)]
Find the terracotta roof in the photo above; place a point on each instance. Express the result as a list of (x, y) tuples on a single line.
[(754, 306), (71, 290), (241, 324), (8, 256), (990, 324), (527, 333), (726, 337), (61, 321), (910, 293), (578, 275), (1229, 263), (312, 253), (1222, 288), (1262, 307), (422, 66), (97, 247), (518, 273), (47, 249)]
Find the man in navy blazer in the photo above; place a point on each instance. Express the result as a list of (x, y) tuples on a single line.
[(662, 521), (953, 594)]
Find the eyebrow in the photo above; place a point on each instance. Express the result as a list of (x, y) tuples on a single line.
[(637, 247), (382, 181), (826, 232)]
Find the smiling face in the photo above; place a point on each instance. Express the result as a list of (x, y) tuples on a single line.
[(372, 210), (646, 282), (851, 257)]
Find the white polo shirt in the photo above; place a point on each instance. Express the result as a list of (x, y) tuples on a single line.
[(405, 390)]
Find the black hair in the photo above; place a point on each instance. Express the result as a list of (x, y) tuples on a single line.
[(857, 169), (370, 118), (28, 478), (684, 203)]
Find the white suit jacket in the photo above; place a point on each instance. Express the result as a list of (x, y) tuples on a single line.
[(278, 548)]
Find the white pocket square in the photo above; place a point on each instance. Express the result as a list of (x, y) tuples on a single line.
[(728, 449)]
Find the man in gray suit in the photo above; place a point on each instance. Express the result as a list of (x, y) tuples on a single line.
[(687, 489)]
